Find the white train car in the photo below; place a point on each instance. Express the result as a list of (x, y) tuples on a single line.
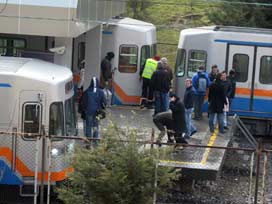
[(35, 96), (246, 50), (132, 41)]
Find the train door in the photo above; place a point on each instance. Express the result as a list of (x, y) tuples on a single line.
[(241, 58), (127, 87), (31, 111), (263, 80)]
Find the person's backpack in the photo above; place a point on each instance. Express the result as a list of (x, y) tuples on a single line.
[(201, 83)]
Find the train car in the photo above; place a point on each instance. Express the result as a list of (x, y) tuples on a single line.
[(132, 41), (246, 50), (36, 97)]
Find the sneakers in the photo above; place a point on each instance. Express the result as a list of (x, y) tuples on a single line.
[(226, 128), (192, 133)]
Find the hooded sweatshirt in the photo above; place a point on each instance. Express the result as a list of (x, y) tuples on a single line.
[(93, 98)]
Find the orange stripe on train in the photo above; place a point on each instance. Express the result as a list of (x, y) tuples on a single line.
[(124, 97), (25, 171), (257, 92)]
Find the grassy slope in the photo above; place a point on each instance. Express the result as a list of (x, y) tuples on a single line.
[(170, 19)]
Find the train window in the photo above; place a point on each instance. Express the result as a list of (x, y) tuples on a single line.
[(145, 54), (10, 46), (181, 62), (81, 53), (197, 58), (240, 65), (153, 51), (70, 117), (128, 55), (266, 70), (32, 118), (56, 120)]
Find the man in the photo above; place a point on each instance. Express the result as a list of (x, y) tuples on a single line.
[(201, 83), (106, 71), (213, 73), (188, 101), (146, 73), (216, 99), (227, 89), (93, 101), (232, 79), (160, 82), (162, 120), (178, 115)]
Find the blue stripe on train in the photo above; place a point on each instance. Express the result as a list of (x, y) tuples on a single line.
[(262, 108), (238, 42), (5, 85), (7, 176)]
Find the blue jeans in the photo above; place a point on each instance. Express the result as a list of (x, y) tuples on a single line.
[(220, 119), (189, 125), (91, 127), (161, 102), (198, 105)]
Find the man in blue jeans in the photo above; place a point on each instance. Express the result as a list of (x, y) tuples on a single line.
[(160, 82), (93, 101), (216, 99), (188, 101), (201, 83)]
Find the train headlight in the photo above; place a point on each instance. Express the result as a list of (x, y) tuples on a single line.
[(55, 152)]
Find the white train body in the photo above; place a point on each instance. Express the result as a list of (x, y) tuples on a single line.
[(132, 42), (247, 50), (36, 97)]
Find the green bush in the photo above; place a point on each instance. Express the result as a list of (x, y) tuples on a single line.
[(115, 172)]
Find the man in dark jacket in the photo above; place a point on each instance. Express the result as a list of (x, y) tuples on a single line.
[(189, 103), (216, 99), (232, 80), (213, 73), (178, 114), (106, 71), (227, 89), (160, 82), (164, 120), (93, 101)]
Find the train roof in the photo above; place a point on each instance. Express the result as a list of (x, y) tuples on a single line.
[(131, 23), (217, 28), (34, 69)]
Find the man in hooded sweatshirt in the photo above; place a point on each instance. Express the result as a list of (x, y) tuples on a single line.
[(93, 101)]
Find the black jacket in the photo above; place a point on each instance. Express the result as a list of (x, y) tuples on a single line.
[(178, 114), (227, 87), (233, 86), (216, 97), (188, 99), (106, 71), (161, 81)]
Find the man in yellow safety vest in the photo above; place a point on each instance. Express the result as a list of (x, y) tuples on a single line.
[(146, 73)]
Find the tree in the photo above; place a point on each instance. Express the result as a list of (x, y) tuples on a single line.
[(115, 172), (136, 9), (245, 13)]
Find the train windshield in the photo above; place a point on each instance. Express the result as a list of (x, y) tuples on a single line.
[(70, 117)]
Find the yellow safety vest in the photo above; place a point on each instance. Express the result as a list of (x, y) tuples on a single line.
[(150, 67)]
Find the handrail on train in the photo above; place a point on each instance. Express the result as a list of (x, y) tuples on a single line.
[(239, 123)]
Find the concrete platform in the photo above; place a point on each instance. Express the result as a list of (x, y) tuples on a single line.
[(196, 163)]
